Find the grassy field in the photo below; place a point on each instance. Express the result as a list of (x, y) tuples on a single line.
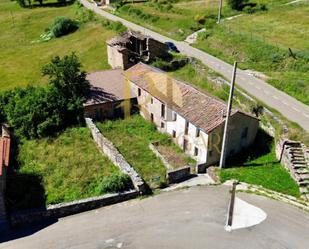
[(132, 137), (175, 19), (21, 57), (68, 167), (257, 41), (259, 166), (261, 42)]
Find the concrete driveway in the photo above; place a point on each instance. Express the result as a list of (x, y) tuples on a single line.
[(188, 218), (285, 104)]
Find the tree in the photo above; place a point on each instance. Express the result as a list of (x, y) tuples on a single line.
[(42, 111), (237, 4), (69, 84), (257, 109)]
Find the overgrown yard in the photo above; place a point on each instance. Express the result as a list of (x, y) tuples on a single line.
[(259, 166), (132, 137), (66, 168), (22, 54)]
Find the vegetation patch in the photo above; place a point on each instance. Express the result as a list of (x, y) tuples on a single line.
[(132, 137), (21, 56), (259, 166), (65, 168)]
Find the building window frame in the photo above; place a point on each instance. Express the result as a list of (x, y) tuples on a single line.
[(187, 128), (196, 150), (174, 116), (174, 134), (139, 92), (197, 133), (162, 111), (162, 125)]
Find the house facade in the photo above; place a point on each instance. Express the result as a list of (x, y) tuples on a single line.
[(195, 120), (131, 47)]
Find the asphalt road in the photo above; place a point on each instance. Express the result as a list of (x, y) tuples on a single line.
[(189, 218), (285, 104)]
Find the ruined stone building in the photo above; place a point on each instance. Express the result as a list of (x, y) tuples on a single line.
[(194, 119), (132, 47)]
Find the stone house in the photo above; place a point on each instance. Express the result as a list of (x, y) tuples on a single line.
[(193, 118), (131, 47), (108, 93)]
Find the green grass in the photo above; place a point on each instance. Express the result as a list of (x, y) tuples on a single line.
[(70, 166), (258, 165), (21, 58), (132, 137), (261, 42), (175, 20)]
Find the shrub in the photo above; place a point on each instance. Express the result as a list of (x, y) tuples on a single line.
[(199, 19), (116, 183), (63, 26), (117, 26), (21, 3), (237, 4)]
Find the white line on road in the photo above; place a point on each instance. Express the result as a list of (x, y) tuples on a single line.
[(307, 116), (275, 97)]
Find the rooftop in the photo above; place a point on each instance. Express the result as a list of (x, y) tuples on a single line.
[(122, 39), (201, 109), (107, 86)]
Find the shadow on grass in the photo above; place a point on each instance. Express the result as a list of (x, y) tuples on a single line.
[(262, 146)]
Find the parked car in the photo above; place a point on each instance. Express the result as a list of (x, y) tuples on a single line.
[(172, 47)]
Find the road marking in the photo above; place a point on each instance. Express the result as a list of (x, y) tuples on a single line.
[(275, 97), (296, 109), (284, 102), (307, 116)]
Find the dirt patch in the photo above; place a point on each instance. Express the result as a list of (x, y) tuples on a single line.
[(176, 160)]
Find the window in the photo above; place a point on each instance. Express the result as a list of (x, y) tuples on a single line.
[(151, 117), (174, 134), (174, 116), (186, 128), (139, 92), (197, 134), (162, 110), (185, 144), (210, 153), (244, 133), (151, 100), (162, 125), (195, 151)]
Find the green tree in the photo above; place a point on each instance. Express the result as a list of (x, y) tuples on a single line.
[(237, 4)]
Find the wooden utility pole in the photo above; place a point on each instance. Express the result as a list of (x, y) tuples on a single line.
[(220, 9), (229, 108)]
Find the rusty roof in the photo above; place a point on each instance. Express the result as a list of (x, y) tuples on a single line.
[(107, 86), (201, 109)]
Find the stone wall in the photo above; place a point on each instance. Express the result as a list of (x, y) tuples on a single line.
[(69, 208), (107, 148), (158, 154), (178, 175)]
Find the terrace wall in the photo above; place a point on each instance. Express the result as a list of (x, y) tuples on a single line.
[(107, 148)]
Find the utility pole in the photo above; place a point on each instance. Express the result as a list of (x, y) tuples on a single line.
[(220, 9), (229, 108)]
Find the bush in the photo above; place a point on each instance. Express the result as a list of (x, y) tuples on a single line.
[(63, 26), (117, 26), (199, 19), (21, 3), (116, 183), (237, 4)]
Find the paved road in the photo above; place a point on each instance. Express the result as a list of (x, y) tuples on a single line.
[(189, 218), (285, 104)]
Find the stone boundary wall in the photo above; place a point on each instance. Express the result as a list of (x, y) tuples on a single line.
[(64, 209), (178, 175), (158, 154), (172, 175), (107, 148)]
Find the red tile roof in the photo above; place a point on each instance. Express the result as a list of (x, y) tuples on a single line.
[(199, 108)]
